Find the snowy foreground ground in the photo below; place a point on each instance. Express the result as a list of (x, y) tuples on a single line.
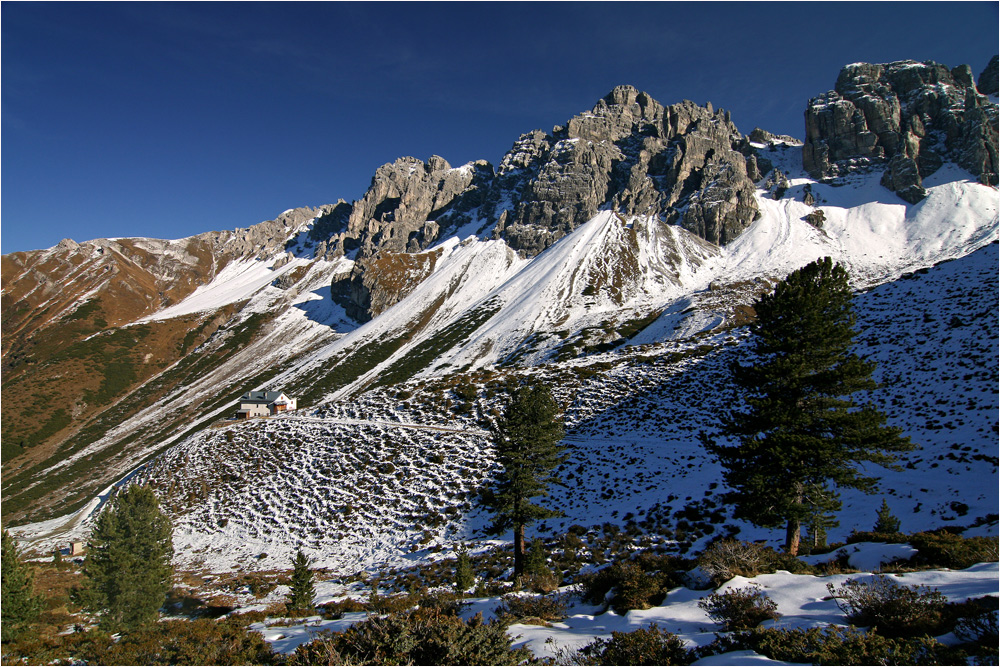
[(803, 602)]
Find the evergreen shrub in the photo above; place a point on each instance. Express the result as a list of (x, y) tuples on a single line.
[(944, 549), (197, 642), (302, 592), (20, 604), (646, 646), (835, 645), (895, 609), (421, 637), (740, 608), (465, 577), (516, 608), (872, 536), (886, 521), (977, 626), (632, 586)]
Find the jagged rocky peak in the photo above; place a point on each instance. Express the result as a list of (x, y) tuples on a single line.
[(684, 164), (634, 155), (906, 117)]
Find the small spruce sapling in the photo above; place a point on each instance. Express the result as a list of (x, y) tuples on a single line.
[(302, 593), (465, 578), (887, 522), (536, 562)]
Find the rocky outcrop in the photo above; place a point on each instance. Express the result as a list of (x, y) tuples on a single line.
[(906, 118), (761, 136), (377, 283), (399, 211), (685, 163)]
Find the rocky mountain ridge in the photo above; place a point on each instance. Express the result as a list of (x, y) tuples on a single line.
[(684, 163), (906, 116)]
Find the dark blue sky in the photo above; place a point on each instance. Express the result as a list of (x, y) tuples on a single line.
[(166, 120)]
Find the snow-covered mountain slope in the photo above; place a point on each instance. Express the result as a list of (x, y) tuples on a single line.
[(604, 282), (115, 348), (392, 475), (612, 281)]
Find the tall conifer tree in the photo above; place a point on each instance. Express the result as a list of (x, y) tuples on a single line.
[(19, 603), (802, 434), (128, 563), (527, 437)]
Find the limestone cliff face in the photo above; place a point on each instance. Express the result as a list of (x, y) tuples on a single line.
[(399, 211), (379, 282), (683, 163), (906, 118), (629, 153)]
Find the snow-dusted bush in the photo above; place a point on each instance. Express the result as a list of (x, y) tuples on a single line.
[(895, 609), (729, 558), (646, 646), (169, 642), (420, 637), (740, 608), (632, 586), (516, 608), (834, 645)]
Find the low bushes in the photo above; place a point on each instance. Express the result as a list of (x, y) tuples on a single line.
[(420, 637), (977, 626), (944, 549), (872, 536), (740, 608), (633, 586), (896, 610), (646, 646), (834, 645), (729, 558), (519, 608), (198, 642)]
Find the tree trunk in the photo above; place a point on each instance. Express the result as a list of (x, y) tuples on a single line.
[(518, 550), (792, 537)]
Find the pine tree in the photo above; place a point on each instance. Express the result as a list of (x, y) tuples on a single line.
[(302, 593), (886, 521), (465, 577), (802, 435), (128, 563), (536, 562), (527, 439), (20, 606)]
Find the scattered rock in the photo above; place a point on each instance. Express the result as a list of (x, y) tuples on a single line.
[(816, 218)]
